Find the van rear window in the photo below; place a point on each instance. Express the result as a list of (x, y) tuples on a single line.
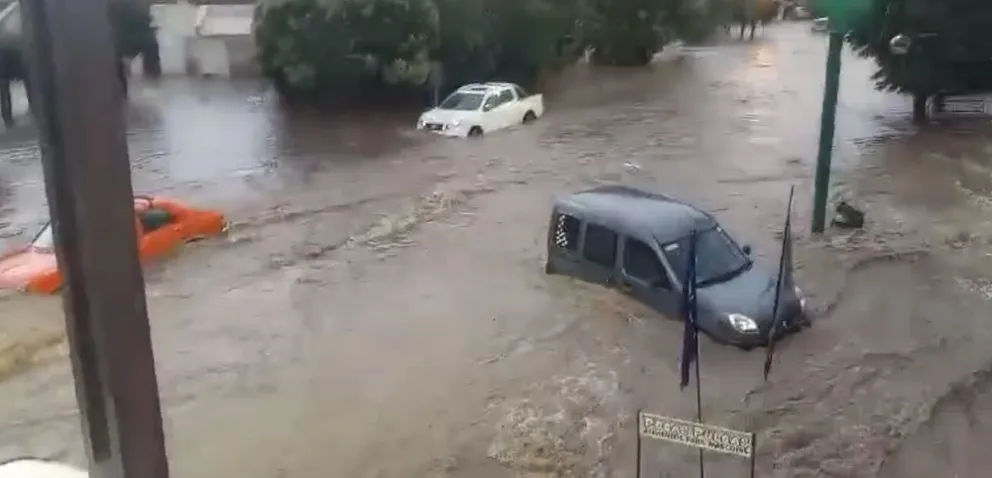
[(567, 232)]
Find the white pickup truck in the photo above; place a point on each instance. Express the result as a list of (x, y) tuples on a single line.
[(479, 108)]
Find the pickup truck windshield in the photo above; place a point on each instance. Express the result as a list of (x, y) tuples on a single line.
[(462, 102), (718, 258)]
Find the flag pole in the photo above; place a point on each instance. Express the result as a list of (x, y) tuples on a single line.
[(699, 385), (690, 335), (699, 406), (786, 243), (637, 473), (754, 449)]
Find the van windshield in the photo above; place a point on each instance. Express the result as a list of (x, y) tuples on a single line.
[(718, 257)]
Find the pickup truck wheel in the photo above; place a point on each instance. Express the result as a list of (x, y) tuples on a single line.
[(475, 132), (529, 117)]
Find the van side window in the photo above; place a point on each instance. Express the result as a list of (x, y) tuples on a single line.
[(600, 246), (567, 232), (641, 262)]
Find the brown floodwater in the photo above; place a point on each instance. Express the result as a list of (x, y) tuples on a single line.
[(378, 308)]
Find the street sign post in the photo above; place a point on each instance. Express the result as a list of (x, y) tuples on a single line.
[(843, 15), (828, 120), (78, 104)]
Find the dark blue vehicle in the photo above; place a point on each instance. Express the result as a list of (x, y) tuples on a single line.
[(635, 241)]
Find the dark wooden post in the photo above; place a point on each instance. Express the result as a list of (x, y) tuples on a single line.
[(6, 105), (79, 108)]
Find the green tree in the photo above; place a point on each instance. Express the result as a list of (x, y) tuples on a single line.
[(339, 50), (394, 36), (948, 53), (333, 52), (624, 32), (751, 13), (530, 37), (630, 32), (347, 50), (465, 48)]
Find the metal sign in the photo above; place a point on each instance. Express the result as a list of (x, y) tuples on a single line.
[(696, 435)]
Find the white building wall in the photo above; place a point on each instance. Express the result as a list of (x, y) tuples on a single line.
[(209, 39), (210, 56), (175, 24)]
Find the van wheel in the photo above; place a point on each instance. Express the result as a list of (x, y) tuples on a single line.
[(529, 117), (549, 268), (475, 132)]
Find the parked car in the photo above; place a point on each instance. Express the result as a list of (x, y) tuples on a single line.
[(479, 108), (633, 240), (162, 226)]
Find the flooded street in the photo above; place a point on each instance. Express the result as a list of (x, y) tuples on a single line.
[(379, 308)]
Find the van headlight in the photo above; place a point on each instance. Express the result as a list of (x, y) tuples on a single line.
[(743, 323)]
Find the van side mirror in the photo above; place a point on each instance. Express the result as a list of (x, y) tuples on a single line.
[(747, 249)]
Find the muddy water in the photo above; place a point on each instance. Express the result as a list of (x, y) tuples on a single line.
[(379, 307)]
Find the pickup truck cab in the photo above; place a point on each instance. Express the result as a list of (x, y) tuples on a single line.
[(479, 108)]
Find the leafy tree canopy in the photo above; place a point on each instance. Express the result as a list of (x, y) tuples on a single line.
[(338, 50), (950, 50), (312, 47)]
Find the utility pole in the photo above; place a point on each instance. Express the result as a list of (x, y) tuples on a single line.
[(828, 121), (79, 108)]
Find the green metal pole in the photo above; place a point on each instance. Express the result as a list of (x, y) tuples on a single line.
[(828, 116)]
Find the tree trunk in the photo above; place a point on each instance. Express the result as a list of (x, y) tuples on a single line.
[(939, 103), (151, 63), (29, 93), (6, 106), (920, 107), (122, 74)]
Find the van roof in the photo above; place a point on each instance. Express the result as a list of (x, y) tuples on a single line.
[(636, 212)]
